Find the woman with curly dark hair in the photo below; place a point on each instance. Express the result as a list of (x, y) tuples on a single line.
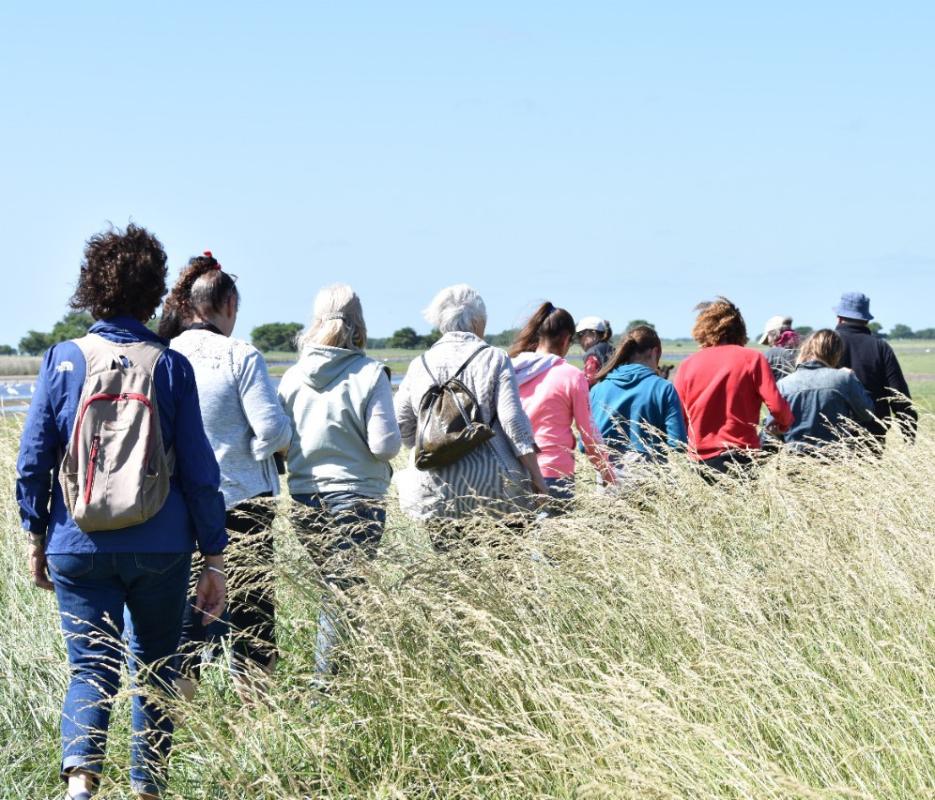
[(136, 492), (722, 388)]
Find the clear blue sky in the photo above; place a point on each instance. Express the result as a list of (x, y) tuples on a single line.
[(617, 158)]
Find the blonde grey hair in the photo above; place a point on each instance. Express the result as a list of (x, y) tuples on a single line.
[(457, 308), (337, 320)]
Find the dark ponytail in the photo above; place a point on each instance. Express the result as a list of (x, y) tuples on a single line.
[(640, 340), (202, 288), (548, 323)]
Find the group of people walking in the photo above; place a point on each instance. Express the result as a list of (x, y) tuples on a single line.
[(174, 442)]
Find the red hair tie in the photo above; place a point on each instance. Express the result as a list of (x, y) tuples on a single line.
[(208, 254)]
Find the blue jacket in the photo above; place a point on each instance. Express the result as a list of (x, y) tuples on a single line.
[(635, 409), (822, 399), (194, 509)]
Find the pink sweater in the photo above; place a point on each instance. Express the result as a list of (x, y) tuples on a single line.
[(554, 397)]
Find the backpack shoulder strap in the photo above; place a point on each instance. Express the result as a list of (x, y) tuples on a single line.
[(425, 366)]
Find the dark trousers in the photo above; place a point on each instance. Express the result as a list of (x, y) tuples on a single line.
[(733, 463), (250, 617)]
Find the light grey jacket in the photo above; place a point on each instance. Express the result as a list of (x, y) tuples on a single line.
[(491, 478), (242, 417), (340, 404)]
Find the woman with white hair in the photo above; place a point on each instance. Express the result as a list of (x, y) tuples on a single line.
[(499, 476), (344, 437)]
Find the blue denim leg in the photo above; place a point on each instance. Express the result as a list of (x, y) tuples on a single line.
[(92, 590), (90, 597), (156, 599), (340, 522)]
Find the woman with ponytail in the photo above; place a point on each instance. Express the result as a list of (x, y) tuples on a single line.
[(554, 395), (636, 411), (246, 427)]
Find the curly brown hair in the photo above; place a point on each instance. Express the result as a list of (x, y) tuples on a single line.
[(719, 322), (123, 274)]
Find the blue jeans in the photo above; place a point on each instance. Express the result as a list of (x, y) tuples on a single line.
[(338, 529), (92, 590)]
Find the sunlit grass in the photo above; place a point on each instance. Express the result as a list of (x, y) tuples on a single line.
[(764, 639)]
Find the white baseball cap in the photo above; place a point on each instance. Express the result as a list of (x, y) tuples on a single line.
[(591, 324), (776, 323)]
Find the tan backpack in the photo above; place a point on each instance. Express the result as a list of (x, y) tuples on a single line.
[(115, 472)]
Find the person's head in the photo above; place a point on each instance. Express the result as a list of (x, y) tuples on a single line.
[(774, 328), (824, 346), (719, 322), (337, 320), (204, 292), (591, 330), (123, 274), (457, 308), (853, 307), (640, 345), (549, 328)]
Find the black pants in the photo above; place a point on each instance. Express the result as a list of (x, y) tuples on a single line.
[(250, 618), (733, 462)]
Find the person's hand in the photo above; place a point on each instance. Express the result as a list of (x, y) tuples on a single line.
[(774, 429), (211, 590), (38, 566)]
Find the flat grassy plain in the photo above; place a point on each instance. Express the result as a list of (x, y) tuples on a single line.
[(768, 638), (917, 358)]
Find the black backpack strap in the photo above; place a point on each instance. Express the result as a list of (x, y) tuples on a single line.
[(461, 369), (425, 364)]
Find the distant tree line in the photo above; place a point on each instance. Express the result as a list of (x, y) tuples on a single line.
[(281, 336)]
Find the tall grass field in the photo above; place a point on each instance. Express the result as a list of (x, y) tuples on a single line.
[(767, 638)]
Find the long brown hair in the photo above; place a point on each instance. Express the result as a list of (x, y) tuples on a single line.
[(202, 288), (719, 322), (824, 346), (548, 323), (635, 342)]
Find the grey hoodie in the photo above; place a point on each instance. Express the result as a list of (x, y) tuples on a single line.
[(344, 429)]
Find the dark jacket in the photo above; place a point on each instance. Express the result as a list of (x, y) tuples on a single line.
[(781, 361), (875, 365), (824, 401), (594, 359)]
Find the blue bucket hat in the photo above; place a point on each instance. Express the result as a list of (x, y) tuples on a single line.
[(854, 305)]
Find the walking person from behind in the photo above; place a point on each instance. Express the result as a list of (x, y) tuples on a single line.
[(340, 405), (782, 345), (499, 477), (722, 388), (594, 335), (826, 401), (554, 395), (112, 525), (876, 367), (245, 425), (637, 412)]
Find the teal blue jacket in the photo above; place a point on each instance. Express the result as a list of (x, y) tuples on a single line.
[(635, 409)]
